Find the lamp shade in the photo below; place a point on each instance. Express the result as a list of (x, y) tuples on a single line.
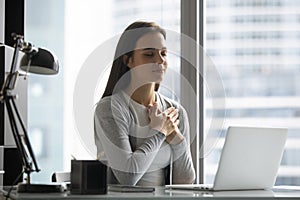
[(42, 62)]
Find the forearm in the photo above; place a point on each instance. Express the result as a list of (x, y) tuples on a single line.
[(129, 165), (182, 167)]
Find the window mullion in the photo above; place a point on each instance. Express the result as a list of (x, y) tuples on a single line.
[(191, 71)]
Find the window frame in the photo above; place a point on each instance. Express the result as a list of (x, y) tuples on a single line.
[(192, 25)]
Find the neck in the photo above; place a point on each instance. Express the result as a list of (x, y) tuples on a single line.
[(144, 95)]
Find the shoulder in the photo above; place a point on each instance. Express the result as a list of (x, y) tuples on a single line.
[(110, 103)]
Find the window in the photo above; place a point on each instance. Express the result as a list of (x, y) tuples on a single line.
[(254, 46)]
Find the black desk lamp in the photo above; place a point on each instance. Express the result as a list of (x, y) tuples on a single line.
[(35, 60)]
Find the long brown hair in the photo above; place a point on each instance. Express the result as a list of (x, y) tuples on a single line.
[(125, 47)]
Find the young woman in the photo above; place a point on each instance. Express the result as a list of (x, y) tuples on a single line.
[(138, 131)]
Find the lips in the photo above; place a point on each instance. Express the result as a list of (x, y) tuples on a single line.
[(159, 71)]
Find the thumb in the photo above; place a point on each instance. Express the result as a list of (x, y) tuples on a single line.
[(155, 109), (151, 109)]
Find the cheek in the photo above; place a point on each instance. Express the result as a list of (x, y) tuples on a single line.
[(141, 69), (137, 63)]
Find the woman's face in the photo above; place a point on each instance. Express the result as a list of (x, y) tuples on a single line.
[(149, 61)]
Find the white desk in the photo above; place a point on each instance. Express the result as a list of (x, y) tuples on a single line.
[(162, 194)]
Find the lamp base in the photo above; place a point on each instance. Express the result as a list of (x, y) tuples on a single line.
[(39, 188)]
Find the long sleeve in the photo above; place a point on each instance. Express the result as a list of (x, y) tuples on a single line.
[(113, 138), (182, 166)]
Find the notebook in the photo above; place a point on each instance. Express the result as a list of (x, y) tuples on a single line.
[(249, 160), (129, 188)]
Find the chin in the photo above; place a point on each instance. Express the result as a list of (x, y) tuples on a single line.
[(158, 80)]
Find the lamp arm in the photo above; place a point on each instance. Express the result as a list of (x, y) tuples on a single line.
[(25, 137), (21, 137), (17, 137), (8, 83)]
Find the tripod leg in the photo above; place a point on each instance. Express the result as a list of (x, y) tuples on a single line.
[(26, 138), (15, 131)]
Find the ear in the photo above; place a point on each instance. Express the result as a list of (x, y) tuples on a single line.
[(127, 61)]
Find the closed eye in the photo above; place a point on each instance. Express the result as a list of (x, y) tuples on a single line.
[(149, 54)]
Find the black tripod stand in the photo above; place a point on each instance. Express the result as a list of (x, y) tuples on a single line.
[(21, 136)]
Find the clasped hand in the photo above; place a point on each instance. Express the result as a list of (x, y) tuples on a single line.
[(166, 122)]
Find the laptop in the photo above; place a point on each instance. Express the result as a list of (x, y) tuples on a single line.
[(249, 160)]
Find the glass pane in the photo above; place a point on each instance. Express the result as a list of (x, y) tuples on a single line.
[(44, 27), (74, 30), (255, 46)]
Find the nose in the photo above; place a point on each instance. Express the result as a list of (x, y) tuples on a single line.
[(161, 59)]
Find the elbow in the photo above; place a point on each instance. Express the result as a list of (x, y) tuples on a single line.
[(188, 179), (184, 181), (125, 178), (192, 178), (127, 182)]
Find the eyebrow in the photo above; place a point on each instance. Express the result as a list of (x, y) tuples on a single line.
[(146, 49)]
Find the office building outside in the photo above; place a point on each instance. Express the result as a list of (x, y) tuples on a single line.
[(255, 45)]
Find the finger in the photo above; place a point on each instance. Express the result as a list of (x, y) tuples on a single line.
[(174, 113), (175, 117), (174, 126), (176, 123), (165, 116), (169, 110)]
